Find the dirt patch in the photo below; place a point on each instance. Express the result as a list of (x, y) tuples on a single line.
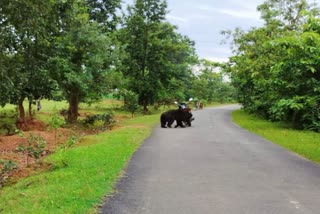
[(53, 138), (25, 167)]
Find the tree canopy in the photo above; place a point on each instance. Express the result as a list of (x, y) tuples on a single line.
[(276, 67), (83, 49), (155, 53)]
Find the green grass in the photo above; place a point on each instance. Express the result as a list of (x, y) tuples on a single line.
[(304, 143), (81, 175), (50, 107)]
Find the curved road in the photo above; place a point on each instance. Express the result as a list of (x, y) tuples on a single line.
[(215, 167)]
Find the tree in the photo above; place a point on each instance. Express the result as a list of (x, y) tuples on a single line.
[(297, 76), (209, 82), (104, 12), (155, 53), (25, 46), (275, 67), (83, 55)]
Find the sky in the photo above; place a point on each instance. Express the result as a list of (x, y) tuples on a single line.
[(203, 20)]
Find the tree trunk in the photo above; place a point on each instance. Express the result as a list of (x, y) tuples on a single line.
[(73, 108), (145, 106), (30, 109), (21, 110), (21, 123)]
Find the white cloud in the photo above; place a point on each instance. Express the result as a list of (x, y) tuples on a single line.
[(239, 13), (217, 59), (176, 18)]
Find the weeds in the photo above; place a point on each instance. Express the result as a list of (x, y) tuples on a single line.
[(35, 147), (7, 166), (99, 121)]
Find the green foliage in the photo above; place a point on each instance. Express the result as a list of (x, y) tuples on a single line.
[(209, 83), (6, 166), (79, 186), (24, 50), (105, 13), (131, 102), (75, 37), (154, 53), (34, 147), (7, 121), (56, 121), (83, 55), (276, 69), (72, 140), (99, 121)]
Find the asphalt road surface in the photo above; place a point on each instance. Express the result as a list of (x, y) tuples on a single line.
[(215, 167)]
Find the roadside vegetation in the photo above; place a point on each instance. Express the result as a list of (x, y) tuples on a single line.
[(303, 142), (79, 177), (275, 67)]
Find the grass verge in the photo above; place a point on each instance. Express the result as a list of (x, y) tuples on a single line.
[(80, 176), (304, 143)]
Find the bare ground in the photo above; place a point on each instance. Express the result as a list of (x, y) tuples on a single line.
[(9, 145)]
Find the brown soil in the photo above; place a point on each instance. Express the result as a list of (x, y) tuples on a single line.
[(9, 144)]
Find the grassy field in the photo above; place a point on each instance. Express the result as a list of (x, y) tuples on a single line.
[(304, 143), (80, 176)]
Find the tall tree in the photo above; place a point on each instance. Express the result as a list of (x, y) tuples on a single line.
[(274, 69), (105, 13), (210, 84), (25, 45), (155, 53), (83, 55)]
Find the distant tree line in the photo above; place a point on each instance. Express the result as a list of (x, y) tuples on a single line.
[(276, 67)]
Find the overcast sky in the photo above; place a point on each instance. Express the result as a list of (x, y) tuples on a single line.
[(203, 20)]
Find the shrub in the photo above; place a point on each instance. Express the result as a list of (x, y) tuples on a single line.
[(131, 102), (99, 121), (35, 147), (7, 166)]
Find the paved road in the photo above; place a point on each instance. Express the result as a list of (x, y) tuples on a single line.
[(215, 167)]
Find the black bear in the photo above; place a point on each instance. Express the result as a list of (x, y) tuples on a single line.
[(180, 115)]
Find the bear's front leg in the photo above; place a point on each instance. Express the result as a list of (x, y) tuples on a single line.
[(179, 123)]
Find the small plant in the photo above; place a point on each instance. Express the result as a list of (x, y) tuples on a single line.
[(131, 102), (55, 123), (34, 148), (7, 166), (10, 128), (72, 140), (98, 124), (99, 120)]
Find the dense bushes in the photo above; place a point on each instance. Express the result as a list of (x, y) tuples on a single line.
[(99, 121), (277, 67)]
